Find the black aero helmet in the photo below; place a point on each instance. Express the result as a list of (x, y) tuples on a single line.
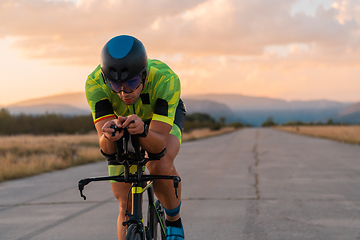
[(122, 58)]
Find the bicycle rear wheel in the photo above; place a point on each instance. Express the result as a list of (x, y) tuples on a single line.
[(133, 233), (156, 221)]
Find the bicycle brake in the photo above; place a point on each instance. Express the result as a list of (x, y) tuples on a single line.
[(129, 221), (82, 195), (81, 185)]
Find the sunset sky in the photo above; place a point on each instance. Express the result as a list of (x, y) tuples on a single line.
[(287, 49)]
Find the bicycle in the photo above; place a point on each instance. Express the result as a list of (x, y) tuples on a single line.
[(130, 153)]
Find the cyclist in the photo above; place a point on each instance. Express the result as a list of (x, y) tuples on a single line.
[(129, 90)]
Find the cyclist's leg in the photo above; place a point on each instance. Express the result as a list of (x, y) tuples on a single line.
[(164, 189), (120, 191)]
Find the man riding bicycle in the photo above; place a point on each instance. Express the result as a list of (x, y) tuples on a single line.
[(129, 90)]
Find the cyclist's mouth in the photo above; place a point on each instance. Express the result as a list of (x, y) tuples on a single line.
[(127, 100)]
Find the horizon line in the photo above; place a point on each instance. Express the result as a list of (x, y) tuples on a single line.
[(185, 95)]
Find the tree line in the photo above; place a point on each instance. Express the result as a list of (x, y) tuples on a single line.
[(204, 120), (50, 123), (44, 124), (270, 122)]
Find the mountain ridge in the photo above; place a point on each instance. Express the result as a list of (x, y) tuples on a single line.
[(351, 109), (214, 109), (234, 101), (63, 109), (235, 107), (243, 102), (77, 100)]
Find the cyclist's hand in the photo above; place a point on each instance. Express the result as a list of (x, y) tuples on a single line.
[(110, 133), (134, 124)]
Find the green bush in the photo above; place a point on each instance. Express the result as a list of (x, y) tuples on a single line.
[(215, 126), (236, 125), (199, 120), (269, 122), (319, 123)]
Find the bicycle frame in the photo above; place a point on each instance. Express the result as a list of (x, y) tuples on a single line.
[(136, 216), (137, 179)]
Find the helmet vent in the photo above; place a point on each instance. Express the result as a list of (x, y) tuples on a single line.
[(124, 73), (113, 73)]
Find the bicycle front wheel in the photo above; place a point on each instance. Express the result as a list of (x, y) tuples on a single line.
[(134, 233), (156, 219)]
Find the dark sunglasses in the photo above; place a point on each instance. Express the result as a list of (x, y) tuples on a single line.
[(128, 86)]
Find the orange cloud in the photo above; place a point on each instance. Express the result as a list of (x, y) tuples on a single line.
[(252, 47), (62, 29)]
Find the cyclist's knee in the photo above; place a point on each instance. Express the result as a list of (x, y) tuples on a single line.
[(122, 207), (164, 166), (123, 204), (120, 191)]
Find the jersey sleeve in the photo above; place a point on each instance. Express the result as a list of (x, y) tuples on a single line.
[(168, 95), (97, 97)]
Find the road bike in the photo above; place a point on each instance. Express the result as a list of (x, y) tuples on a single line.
[(129, 153)]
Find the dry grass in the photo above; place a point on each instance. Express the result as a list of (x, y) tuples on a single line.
[(27, 155), (348, 134), (205, 132)]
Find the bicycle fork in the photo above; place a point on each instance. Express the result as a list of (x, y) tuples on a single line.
[(136, 217)]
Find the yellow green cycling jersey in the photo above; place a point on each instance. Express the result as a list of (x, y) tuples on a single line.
[(158, 100)]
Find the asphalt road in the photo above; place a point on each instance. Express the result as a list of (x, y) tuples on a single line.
[(250, 184)]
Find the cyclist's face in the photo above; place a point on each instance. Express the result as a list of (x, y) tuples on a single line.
[(131, 98)]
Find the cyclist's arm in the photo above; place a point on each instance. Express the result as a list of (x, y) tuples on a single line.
[(106, 140), (156, 139)]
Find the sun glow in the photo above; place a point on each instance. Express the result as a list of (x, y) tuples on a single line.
[(290, 50)]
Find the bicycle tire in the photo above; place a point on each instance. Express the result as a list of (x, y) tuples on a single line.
[(156, 221), (133, 233)]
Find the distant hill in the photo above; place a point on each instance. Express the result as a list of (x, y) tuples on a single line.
[(350, 115), (65, 104), (247, 109), (353, 118), (354, 108), (77, 100), (76, 104), (47, 108), (256, 110), (214, 109), (242, 102)]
